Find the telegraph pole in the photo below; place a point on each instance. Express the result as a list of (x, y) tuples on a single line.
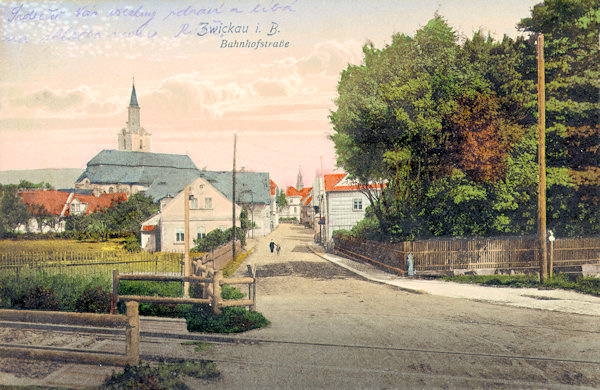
[(233, 199), (187, 269), (541, 215)]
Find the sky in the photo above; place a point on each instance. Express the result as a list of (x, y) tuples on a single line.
[(67, 67)]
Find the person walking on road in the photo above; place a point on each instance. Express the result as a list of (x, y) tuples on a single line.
[(278, 249), (272, 246)]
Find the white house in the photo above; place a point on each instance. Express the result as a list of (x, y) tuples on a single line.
[(209, 210), (341, 204)]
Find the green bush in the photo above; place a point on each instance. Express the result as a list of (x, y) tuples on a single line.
[(39, 298), (44, 291), (132, 244), (167, 376), (93, 300), (231, 320), (154, 289)]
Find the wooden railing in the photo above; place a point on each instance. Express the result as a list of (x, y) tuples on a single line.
[(130, 321), (204, 274)]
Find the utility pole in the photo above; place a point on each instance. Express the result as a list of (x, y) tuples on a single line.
[(233, 200), (541, 215), (187, 269)]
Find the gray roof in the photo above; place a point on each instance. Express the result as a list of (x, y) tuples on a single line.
[(118, 166), (171, 185), (251, 187), (168, 174)]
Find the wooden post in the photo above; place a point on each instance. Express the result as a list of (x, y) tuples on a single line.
[(115, 292), (254, 288), (233, 200), (132, 333), (216, 292), (541, 214), (186, 240), (551, 265)]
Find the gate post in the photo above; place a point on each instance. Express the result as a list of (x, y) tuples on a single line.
[(115, 292), (132, 333), (217, 292)]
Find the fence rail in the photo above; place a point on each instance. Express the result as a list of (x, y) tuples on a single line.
[(130, 321), (204, 274), (89, 263), (506, 253)]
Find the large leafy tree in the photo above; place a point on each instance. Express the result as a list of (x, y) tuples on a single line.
[(572, 58), (451, 127), (13, 212)]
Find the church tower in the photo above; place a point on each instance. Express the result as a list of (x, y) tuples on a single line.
[(134, 137), (299, 182)]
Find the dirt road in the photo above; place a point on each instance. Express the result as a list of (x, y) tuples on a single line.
[(332, 329)]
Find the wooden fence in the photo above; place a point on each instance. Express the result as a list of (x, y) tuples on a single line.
[(89, 262), (130, 321), (204, 274), (506, 253)]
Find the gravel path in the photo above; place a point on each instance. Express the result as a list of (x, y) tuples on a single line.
[(334, 329)]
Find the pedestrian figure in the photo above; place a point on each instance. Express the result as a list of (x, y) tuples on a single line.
[(278, 249), (272, 246)]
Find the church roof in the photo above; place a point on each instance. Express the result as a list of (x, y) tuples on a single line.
[(119, 166), (133, 102)]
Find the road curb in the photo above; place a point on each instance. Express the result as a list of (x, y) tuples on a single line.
[(365, 275)]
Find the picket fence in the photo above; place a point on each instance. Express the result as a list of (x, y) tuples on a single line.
[(504, 253), (89, 263)]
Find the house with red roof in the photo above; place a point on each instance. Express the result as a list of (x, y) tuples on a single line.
[(339, 204), (294, 202), (50, 207)]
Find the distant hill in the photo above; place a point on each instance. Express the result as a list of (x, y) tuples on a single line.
[(57, 177)]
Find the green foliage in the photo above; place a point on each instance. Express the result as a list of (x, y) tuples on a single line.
[(155, 289), (232, 320), (586, 285), (132, 244), (218, 237), (54, 292), (167, 376), (93, 300), (451, 128), (39, 298), (123, 219), (13, 211), (281, 200)]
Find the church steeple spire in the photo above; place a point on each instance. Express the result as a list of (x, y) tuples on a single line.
[(134, 137), (133, 102)]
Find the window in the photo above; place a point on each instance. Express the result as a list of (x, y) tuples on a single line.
[(179, 235), (357, 204), (193, 203), (208, 203), (201, 233)]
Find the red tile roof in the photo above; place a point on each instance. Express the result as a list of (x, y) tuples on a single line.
[(102, 202), (44, 202), (308, 200), (332, 180), (53, 202), (148, 228), (273, 188), (291, 191)]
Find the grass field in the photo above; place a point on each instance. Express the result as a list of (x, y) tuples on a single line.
[(82, 258)]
